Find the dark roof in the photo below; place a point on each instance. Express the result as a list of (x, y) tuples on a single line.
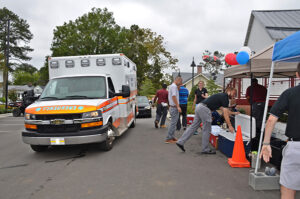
[(188, 76), (185, 76), (278, 23)]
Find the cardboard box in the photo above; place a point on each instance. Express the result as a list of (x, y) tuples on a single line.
[(190, 119)]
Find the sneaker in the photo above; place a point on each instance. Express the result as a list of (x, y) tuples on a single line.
[(156, 123), (170, 141), (163, 126), (210, 152), (174, 139), (180, 146), (196, 133)]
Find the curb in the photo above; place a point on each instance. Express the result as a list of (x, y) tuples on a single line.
[(5, 115)]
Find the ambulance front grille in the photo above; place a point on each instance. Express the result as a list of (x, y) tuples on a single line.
[(65, 128), (59, 116)]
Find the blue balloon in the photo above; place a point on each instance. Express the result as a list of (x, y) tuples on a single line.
[(242, 57)]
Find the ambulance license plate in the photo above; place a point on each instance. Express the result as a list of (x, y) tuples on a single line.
[(57, 141)]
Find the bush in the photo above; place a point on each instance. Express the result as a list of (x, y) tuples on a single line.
[(189, 108), (12, 95), (2, 99), (192, 94)]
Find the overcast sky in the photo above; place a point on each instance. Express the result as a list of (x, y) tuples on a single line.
[(188, 26)]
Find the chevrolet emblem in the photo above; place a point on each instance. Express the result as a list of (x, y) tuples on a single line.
[(57, 122)]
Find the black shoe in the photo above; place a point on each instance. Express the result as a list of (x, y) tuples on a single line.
[(156, 123), (184, 128), (180, 146), (210, 152)]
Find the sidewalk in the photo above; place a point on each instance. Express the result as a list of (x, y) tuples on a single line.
[(5, 115)]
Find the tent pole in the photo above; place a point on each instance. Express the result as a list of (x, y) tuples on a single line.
[(264, 117), (251, 107)]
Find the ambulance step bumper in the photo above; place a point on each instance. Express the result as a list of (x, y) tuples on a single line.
[(88, 136)]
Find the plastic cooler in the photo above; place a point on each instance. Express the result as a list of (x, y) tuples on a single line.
[(226, 139), (213, 139), (190, 119)]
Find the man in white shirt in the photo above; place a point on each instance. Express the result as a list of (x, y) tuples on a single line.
[(174, 109)]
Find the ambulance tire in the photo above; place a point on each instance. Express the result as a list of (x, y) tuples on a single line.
[(39, 148), (107, 145), (134, 121)]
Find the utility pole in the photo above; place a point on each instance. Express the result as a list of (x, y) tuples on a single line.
[(6, 65)]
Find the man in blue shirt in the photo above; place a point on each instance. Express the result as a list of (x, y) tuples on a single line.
[(183, 99)]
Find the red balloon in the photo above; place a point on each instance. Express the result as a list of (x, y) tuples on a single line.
[(230, 59), (206, 58)]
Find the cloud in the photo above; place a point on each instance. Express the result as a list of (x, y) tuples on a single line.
[(189, 27)]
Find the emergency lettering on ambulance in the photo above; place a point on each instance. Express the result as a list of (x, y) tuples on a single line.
[(88, 99)]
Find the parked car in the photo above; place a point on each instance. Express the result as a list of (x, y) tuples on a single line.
[(144, 107)]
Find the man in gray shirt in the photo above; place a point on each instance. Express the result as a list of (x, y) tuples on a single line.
[(174, 109)]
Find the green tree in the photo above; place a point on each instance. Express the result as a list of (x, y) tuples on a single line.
[(26, 68), (44, 73), (97, 33), (212, 88), (20, 36), (147, 88), (22, 78), (12, 95), (192, 94)]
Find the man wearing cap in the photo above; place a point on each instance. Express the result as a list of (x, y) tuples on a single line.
[(288, 101), (162, 106), (203, 113)]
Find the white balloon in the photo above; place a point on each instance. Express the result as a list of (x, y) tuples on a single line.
[(246, 49)]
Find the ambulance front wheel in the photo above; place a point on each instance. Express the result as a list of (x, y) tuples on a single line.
[(107, 145), (134, 121), (39, 148)]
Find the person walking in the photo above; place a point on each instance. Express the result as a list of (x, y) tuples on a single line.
[(203, 113), (161, 107), (174, 109), (259, 94), (183, 99), (288, 101)]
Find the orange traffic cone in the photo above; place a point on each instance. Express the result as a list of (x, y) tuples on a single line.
[(238, 156)]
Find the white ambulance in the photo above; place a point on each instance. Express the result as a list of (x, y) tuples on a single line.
[(88, 99)]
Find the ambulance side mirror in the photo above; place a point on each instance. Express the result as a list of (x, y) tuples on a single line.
[(125, 91)]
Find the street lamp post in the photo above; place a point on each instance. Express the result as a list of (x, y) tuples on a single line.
[(193, 66)]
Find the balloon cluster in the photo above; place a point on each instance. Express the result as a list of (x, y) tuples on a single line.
[(208, 58), (241, 58)]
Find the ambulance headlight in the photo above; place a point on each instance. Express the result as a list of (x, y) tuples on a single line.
[(92, 114), (29, 116)]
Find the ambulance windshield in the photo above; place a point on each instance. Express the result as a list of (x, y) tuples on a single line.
[(75, 88)]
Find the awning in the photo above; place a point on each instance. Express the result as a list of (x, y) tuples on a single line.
[(260, 67)]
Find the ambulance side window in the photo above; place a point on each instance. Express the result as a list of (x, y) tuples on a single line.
[(111, 89)]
